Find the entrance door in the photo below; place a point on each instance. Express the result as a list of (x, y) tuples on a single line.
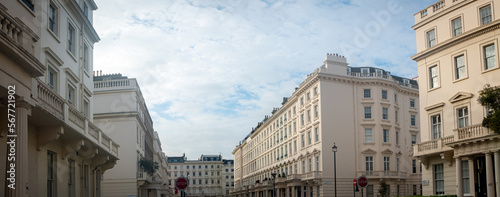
[(480, 169)]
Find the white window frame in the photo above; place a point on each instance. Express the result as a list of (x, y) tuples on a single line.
[(485, 16), (430, 37), (435, 121), (433, 76), (387, 164), (385, 133), (71, 39), (460, 69), (456, 26), (438, 175), (368, 135), (462, 114), (367, 93), (368, 114)]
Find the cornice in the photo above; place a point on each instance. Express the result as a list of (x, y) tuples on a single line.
[(366, 81), (457, 40)]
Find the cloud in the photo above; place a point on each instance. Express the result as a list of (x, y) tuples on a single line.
[(210, 70)]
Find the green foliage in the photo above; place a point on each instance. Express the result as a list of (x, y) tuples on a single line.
[(149, 166), (383, 190), (490, 98)]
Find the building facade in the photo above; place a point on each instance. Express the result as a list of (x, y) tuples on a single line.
[(46, 101), (369, 114), (457, 55), (120, 110), (210, 175)]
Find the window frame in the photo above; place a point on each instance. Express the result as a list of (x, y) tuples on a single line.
[(455, 28), (485, 58), (55, 20), (367, 115), (482, 18), (465, 116), (428, 40), (367, 93), (434, 77), (438, 169), (369, 135), (436, 134), (71, 38), (385, 135)]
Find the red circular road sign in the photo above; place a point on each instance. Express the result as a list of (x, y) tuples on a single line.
[(354, 182), (362, 181), (181, 183)]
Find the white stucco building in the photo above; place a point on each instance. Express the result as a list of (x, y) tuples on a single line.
[(120, 110), (370, 115), (46, 59), (457, 55), (210, 175)]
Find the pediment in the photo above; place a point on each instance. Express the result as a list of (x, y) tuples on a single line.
[(399, 153), (387, 152), (369, 151), (460, 96)]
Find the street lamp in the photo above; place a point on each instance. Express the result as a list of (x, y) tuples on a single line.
[(274, 182), (334, 149)]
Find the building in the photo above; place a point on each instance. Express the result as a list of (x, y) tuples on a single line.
[(457, 55), (120, 110), (46, 90), (210, 175), (369, 114)]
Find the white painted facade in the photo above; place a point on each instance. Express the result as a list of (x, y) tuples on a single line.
[(120, 110), (457, 55), (210, 175), (329, 107), (46, 53)]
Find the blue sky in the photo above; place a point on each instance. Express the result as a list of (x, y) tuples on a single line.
[(210, 70)]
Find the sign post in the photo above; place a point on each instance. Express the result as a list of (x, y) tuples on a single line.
[(354, 183), (362, 182), (181, 183)]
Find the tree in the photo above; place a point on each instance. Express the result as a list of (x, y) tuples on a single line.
[(149, 166), (489, 97), (383, 191)]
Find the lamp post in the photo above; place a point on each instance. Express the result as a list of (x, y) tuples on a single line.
[(334, 149), (274, 182)]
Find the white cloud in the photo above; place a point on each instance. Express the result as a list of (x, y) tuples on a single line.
[(210, 70)]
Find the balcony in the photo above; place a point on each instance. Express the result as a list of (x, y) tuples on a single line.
[(144, 176), (383, 174), (115, 84), (50, 103), (17, 41), (312, 175), (472, 132), (434, 9), (433, 146)]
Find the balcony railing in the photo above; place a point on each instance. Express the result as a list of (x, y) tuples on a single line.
[(383, 174), (51, 102), (471, 132), (313, 175), (433, 146), (144, 176), (114, 83)]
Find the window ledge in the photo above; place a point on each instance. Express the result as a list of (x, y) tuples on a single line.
[(489, 70)]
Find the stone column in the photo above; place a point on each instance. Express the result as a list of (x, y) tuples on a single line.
[(460, 185), (497, 172), (22, 186), (490, 189), (472, 179)]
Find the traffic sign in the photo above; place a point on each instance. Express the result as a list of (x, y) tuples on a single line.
[(354, 182), (362, 181), (181, 183)]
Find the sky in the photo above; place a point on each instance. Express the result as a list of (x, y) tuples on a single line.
[(209, 70)]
